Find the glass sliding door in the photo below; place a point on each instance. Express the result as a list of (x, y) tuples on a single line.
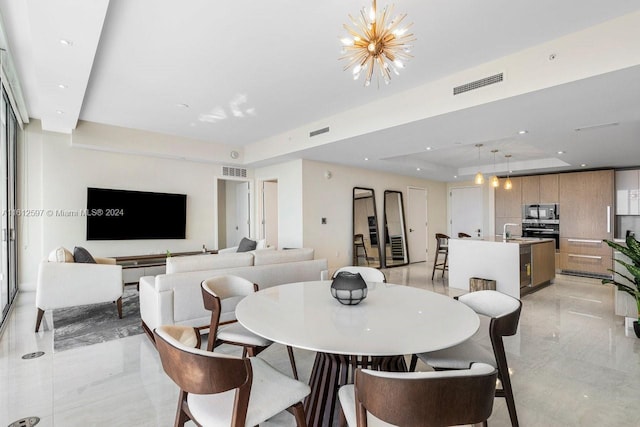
[(8, 247), (12, 161)]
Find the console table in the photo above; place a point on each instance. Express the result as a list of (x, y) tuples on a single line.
[(136, 266)]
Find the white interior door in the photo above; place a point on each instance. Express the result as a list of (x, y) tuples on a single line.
[(466, 211), (270, 212), (243, 219), (234, 212), (416, 212)]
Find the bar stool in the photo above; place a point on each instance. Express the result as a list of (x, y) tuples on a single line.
[(358, 243), (442, 247)]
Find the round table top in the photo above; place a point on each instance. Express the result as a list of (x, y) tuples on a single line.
[(392, 320)]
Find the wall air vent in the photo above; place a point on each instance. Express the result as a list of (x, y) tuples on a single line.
[(234, 172), (319, 131), (478, 84)]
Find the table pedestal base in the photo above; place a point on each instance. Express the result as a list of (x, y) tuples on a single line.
[(330, 371)]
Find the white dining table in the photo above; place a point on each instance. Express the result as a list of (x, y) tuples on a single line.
[(393, 321)]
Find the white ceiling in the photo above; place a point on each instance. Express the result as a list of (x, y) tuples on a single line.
[(250, 70)]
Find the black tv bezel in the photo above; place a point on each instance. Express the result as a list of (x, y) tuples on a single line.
[(158, 234)]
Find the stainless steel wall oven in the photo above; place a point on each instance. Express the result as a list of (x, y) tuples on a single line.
[(541, 221)]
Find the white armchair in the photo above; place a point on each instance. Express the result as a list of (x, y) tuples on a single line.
[(68, 284)]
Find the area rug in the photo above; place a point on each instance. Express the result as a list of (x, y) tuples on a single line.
[(96, 323)]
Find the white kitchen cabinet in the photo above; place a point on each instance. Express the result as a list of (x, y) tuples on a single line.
[(628, 192)]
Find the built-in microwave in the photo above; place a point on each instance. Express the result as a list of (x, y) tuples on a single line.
[(540, 212)]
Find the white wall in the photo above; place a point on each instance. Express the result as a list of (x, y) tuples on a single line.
[(332, 199), (290, 213), (55, 176)]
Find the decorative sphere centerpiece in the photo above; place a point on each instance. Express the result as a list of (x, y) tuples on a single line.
[(348, 288)]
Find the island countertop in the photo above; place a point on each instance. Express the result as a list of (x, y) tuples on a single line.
[(517, 264), (516, 240)]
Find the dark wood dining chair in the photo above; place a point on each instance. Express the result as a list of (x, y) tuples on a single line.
[(206, 378), (221, 295), (486, 346), (442, 248), (462, 235), (420, 399)]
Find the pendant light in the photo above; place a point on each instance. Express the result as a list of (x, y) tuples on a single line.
[(508, 185), (479, 179), (495, 182)]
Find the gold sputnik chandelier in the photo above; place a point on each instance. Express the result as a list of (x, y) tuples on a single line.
[(376, 41)]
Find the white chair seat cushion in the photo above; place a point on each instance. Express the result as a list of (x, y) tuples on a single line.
[(237, 333), (347, 396), (271, 393), (476, 349)]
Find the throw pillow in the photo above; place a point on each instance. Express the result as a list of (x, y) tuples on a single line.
[(60, 254), (80, 254), (246, 245)]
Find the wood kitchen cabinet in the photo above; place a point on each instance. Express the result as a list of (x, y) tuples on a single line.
[(586, 203), (543, 263), (509, 202), (530, 189), (508, 206), (549, 193), (540, 189)]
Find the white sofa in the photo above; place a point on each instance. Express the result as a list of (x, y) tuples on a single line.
[(68, 284), (175, 298), (260, 244)]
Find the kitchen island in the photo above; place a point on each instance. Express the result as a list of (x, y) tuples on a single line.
[(518, 265)]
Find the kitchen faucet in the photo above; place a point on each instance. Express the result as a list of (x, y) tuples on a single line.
[(504, 229)]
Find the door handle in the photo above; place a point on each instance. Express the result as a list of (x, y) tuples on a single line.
[(411, 230)]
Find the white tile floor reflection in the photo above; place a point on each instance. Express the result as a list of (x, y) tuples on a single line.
[(572, 365)]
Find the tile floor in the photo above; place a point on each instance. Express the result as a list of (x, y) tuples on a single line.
[(572, 365)]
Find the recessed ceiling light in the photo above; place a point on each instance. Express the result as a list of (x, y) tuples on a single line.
[(182, 105), (428, 148), (561, 152), (455, 176), (59, 111), (522, 132), (366, 158), (417, 169), (584, 165), (66, 42), (61, 86)]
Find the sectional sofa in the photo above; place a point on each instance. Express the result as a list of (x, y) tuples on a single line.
[(175, 298)]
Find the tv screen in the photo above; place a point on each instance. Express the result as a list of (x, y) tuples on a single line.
[(129, 215)]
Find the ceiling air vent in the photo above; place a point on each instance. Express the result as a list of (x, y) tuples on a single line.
[(319, 131), (234, 172), (478, 84)]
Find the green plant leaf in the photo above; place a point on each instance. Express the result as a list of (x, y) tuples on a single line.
[(634, 246), (635, 257)]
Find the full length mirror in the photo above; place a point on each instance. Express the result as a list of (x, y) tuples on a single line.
[(366, 240), (396, 251)]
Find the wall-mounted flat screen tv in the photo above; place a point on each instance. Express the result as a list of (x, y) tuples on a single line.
[(135, 215)]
